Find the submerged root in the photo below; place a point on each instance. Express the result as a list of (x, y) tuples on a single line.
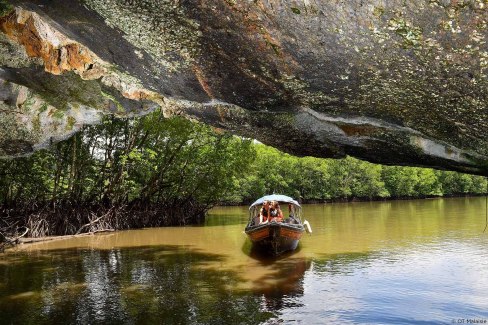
[(64, 218), (12, 240)]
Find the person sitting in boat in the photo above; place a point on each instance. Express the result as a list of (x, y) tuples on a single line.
[(291, 215), (275, 212), (290, 211), (264, 213)]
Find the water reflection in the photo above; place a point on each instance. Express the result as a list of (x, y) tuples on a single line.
[(147, 285), (387, 262), (280, 289)]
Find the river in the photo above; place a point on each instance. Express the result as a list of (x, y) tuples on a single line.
[(395, 262)]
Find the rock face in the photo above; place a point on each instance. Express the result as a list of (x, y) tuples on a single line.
[(395, 82)]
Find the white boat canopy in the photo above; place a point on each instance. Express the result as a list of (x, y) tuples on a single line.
[(274, 197)]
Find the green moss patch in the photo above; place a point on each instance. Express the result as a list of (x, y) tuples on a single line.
[(295, 10), (71, 123), (5, 8)]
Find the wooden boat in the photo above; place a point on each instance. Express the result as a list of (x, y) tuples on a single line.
[(272, 237)]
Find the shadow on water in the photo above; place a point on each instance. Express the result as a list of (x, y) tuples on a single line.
[(164, 284), (264, 258)]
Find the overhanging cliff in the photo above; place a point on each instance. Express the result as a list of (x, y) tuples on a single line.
[(394, 82)]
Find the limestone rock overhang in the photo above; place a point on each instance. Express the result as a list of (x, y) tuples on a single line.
[(391, 82)]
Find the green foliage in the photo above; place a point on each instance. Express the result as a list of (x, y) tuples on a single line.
[(355, 178), (400, 181), (174, 162), (428, 182), (150, 160), (315, 179), (5, 8), (456, 183)]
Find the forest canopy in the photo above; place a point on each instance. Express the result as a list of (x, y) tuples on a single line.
[(130, 173), (152, 171), (314, 179)]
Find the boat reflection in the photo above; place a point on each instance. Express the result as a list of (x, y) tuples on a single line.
[(282, 280)]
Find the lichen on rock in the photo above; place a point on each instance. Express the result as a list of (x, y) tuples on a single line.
[(397, 82), (160, 27), (30, 123)]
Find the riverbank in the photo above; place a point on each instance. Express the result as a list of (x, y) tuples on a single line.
[(366, 199), (99, 219), (69, 218)]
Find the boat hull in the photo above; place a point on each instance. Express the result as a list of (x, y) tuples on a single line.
[(275, 238)]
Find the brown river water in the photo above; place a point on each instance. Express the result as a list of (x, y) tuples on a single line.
[(396, 262)]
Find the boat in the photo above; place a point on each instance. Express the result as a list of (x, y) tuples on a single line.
[(273, 237)]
